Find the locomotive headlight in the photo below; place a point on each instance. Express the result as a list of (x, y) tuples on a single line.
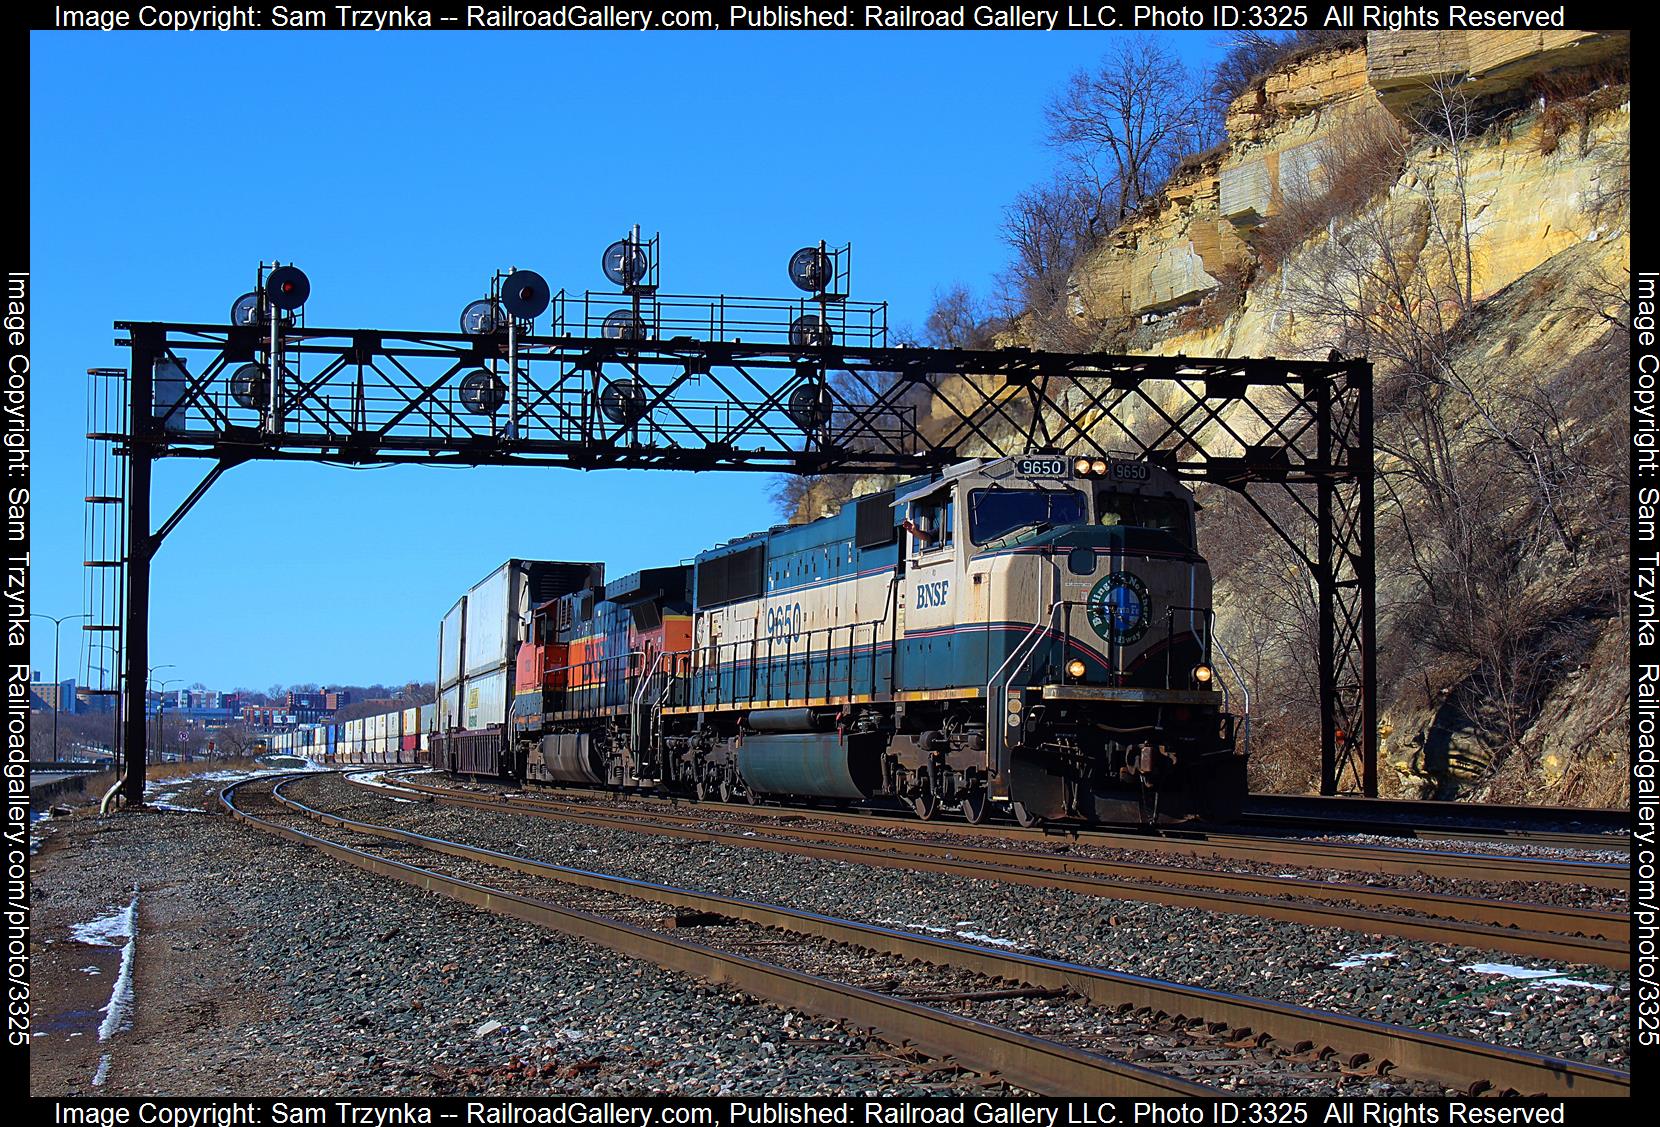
[(1081, 466), (1202, 674), (1016, 704), (1075, 669), (1099, 466)]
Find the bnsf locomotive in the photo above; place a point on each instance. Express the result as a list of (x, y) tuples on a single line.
[(1031, 632)]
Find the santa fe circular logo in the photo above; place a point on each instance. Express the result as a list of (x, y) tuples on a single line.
[(1117, 608)]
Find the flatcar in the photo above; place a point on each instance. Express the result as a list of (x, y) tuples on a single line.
[(1032, 633)]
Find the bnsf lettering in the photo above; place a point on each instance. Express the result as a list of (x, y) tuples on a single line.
[(784, 620), (933, 594)]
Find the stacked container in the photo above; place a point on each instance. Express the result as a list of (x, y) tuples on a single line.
[(409, 735), (479, 638)]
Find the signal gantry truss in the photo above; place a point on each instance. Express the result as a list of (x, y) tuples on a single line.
[(700, 383)]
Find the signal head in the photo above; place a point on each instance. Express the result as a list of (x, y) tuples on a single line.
[(482, 318), (622, 324), (811, 269), (287, 288), (245, 310), (482, 392), (525, 293), (248, 385), (625, 263), (623, 402)]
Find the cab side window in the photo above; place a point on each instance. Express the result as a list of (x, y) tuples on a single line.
[(932, 523)]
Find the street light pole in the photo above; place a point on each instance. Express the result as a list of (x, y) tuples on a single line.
[(57, 683), (161, 703)]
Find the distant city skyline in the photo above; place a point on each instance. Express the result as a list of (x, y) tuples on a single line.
[(400, 170)]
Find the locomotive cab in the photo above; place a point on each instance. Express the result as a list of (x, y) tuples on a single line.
[(1078, 605)]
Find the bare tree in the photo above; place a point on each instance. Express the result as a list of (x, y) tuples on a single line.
[(956, 319), (235, 741), (1048, 229), (1123, 126), (1446, 116)]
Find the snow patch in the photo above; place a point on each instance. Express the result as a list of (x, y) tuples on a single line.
[(376, 779), (1544, 977), (965, 931), (1362, 959), (163, 794), (119, 929)]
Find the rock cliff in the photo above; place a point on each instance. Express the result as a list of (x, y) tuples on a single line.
[(1506, 187)]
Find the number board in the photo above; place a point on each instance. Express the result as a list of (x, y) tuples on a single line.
[(1129, 471), (1031, 466)]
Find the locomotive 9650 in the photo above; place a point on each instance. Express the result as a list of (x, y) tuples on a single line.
[(1028, 632)]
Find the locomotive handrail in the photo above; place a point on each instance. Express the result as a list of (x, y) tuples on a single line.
[(636, 715), (596, 684), (645, 679), (720, 658), (1244, 691), (996, 701)]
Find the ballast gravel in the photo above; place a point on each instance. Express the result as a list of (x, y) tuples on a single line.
[(265, 968), (1572, 1011)]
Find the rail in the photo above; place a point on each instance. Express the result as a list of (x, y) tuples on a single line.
[(1461, 1063), (1029, 1061)]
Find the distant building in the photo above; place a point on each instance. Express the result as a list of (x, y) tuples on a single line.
[(210, 706), (335, 701), (268, 717), (46, 695)]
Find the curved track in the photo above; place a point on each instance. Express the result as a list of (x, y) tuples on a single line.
[(1544, 931), (1286, 1041), (1271, 849)]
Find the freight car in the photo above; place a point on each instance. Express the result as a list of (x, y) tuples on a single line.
[(1031, 632)]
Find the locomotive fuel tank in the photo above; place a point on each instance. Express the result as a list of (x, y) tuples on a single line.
[(812, 764), (565, 757)]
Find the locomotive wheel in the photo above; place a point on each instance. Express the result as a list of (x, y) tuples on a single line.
[(1023, 816), (926, 805), (726, 793), (975, 806), (701, 790)]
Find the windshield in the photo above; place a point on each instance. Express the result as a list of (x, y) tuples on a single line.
[(998, 512), (1166, 514)]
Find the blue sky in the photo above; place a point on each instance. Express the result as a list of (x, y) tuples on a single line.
[(400, 170)]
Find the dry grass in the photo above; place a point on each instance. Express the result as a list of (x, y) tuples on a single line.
[(1219, 304), (1359, 160), (1569, 99)]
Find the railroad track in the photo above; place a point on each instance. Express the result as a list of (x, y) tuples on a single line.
[(1267, 850), (1429, 831), (940, 994), (1598, 828), (1545, 931)]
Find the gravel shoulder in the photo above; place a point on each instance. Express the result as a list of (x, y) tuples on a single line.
[(261, 967)]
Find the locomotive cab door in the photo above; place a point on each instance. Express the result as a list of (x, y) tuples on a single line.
[(931, 546)]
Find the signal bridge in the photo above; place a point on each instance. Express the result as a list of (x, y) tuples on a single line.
[(638, 378)]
